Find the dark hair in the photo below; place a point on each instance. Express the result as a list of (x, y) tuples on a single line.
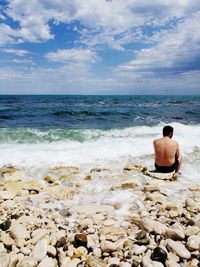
[(167, 130)]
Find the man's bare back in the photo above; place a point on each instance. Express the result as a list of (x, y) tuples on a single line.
[(167, 154)]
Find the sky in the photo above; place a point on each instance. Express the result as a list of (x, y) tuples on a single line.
[(100, 47)]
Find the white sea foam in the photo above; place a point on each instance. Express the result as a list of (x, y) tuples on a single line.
[(99, 147)]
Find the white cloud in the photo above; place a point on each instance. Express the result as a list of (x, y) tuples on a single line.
[(110, 18), (175, 51), (18, 52), (74, 55)]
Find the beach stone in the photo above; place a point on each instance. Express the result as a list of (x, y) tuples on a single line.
[(6, 195), (134, 167), (191, 230), (193, 263), (97, 252), (4, 259), (25, 250), (108, 246), (9, 173), (99, 170), (6, 239), (159, 254), (124, 264), (92, 209), (80, 240), (81, 252), (92, 261), (172, 260), (178, 248), (61, 242), (146, 260), (109, 222), (155, 197), (191, 204), (151, 188), (14, 258), (125, 185), (48, 262), (86, 222), (37, 235), (61, 192), (174, 234), (193, 243), (40, 250), (28, 262), (35, 185), (157, 264), (137, 250), (112, 233), (51, 251), (150, 225), (2, 248), (49, 179), (5, 225), (73, 263), (18, 231), (67, 169)]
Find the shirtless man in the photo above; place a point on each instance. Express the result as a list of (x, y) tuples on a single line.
[(167, 154)]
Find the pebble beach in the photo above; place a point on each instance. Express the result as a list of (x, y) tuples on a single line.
[(66, 220)]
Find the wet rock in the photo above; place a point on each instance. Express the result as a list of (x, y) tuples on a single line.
[(49, 179), (178, 248), (159, 254), (108, 246), (191, 204), (10, 172), (40, 250), (151, 188), (61, 192), (109, 222), (134, 167), (125, 185), (155, 197), (67, 169), (80, 240), (99, 170)]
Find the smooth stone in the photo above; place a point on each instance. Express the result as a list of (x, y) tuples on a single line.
[(191, 230), (137, 250), (80, 240), (179, 249), (51, 251), (193, 242), (67, 169), (174, 234), (172, 260), (97, 252), (159, 254), (28, 262), (191, 204), (113, 261), (6, 239), (81, 252), (4, 259), (73, 263), (19, 231), (26, 251), (94, 262), (108, 246), (38, 235), (157, 264), (150, 225), (2, 248), (48, 262), (14, 258), (125, 264), (5, 225), (40, 250), (134, 167), (61, 242), (155, 197)]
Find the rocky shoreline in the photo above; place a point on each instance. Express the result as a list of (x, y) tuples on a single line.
[(58, 221)]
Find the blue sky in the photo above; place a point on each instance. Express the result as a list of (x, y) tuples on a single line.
[(99, 47)]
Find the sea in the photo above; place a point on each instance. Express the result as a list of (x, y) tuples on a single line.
[(40, 131)]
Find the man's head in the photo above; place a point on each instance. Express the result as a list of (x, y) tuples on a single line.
[(168, 131)]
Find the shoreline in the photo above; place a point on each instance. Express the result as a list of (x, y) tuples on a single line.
[(97, 218)]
